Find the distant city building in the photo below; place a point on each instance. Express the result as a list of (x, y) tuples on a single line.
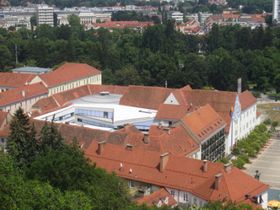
[(235, 18), (276, 10), (44, 15), (192, 26), (177, 16), (137, 25), (202, 16), (217, 2)]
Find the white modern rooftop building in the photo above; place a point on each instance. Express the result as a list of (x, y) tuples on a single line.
[(102, 111)]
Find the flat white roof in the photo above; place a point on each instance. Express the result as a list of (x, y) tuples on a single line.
[(121, 112)]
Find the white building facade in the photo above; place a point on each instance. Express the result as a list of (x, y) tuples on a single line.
[(45, 15)]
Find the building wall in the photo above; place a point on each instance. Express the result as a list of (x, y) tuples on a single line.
[(45, 15), (186, 198), (94, 80), (25, 104), (242, 127)]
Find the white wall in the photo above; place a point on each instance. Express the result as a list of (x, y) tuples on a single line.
[(94, 80), (186, 198), (242, 127)]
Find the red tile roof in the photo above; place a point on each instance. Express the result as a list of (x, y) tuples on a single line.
[(13, 80), (176, 140), (123, 24), (203, 122), (180, 173), (68, 72), (159, 196), (221, 101), (247, 99), (171, 112), (22, 93), (145, 97)]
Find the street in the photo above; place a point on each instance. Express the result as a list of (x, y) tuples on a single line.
[(268, 164)]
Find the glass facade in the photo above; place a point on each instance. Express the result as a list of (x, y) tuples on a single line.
[(214, 148), (94, 113)]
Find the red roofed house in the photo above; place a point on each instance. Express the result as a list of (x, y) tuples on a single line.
[(238, 110), (10, 80), (69, 76), (24, 97), (158, 198), (189, 181)]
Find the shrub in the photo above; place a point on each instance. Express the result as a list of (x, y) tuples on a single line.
[(239, 163)]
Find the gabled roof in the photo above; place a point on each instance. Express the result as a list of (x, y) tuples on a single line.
[(176, 140), (145, 96), (14, 80), (247, 99), (203, 122), (231, 186), (22, 93), (68, 72), (158, 196), (171, 112), (180, 173), (221, 101)]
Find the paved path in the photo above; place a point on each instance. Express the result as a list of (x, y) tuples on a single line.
[(268, 164)]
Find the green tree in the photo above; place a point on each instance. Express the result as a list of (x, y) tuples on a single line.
[(128, 76), (22, 144), (50, 138), (6, 57)]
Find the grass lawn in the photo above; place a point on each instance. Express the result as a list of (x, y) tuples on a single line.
[(267, 109)]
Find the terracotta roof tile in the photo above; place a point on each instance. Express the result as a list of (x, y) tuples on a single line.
[(247, 99), (221, 101), (159, 196), (14, 80), (203, 122), (145, 97), (68, 72), (180, 173), (175, 140), (171, 112), (22, 93)]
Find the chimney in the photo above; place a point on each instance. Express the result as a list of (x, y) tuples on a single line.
[(23, 93), (100, 148), (146, 139), (205, 166), (228, 167), (217, 181), (163, 161), (129, 147), (239, 85)]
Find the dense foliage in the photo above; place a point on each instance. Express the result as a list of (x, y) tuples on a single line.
[(250, 146), (157, 55)]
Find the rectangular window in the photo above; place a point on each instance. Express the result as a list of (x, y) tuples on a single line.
[(172, 192), (105, 114), (186, 197)]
